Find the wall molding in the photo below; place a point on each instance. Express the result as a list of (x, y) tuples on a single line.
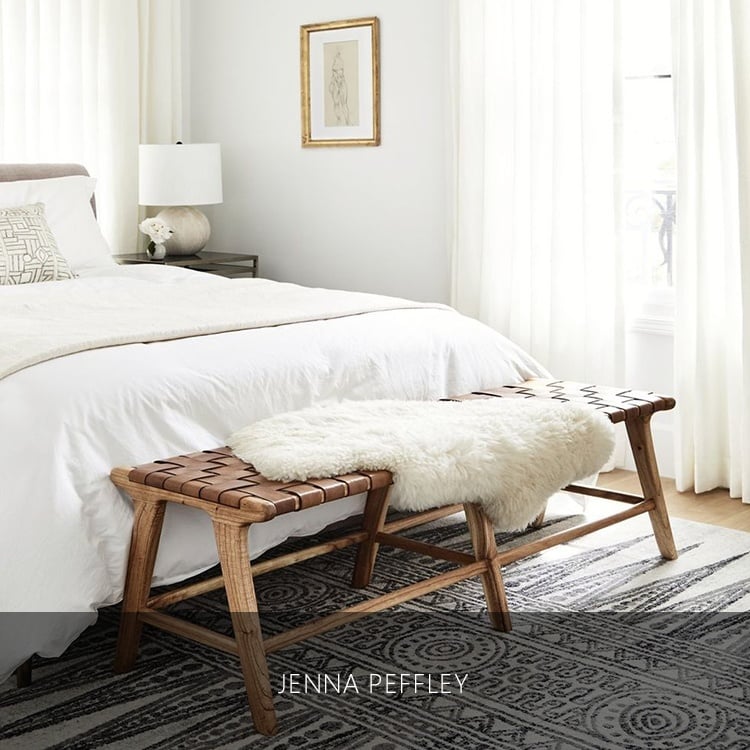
[(657, 325)]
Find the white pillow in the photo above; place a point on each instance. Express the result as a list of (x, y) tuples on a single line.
[(68, 210)]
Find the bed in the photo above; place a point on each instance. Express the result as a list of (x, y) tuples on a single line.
[(67, 419)]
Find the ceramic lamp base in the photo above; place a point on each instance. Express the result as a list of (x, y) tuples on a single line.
[(191, 229)]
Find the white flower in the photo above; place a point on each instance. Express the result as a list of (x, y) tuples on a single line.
[(156, 229)]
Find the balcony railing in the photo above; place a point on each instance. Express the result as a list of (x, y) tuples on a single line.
[(653, 214)]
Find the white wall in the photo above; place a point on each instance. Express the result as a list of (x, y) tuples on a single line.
[(369, 219)]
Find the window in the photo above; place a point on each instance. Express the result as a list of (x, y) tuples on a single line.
[(649, 154)]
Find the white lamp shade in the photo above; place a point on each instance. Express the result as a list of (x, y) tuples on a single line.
[(186, 174)]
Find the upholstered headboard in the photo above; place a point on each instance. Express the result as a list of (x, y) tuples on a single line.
[(13, 172)]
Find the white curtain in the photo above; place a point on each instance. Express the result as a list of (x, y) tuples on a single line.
[(536, 246), (86, 80), (712, 263)]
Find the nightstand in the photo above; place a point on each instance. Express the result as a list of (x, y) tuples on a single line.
[(231, 265)]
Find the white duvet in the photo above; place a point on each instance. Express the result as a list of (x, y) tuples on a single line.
[(41, 321), (65, 422)]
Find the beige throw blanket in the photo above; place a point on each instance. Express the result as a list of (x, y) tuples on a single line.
[(39, 322)]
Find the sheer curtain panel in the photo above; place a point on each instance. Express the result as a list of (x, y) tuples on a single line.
[(712, 266), (536, 248), (76, 84)]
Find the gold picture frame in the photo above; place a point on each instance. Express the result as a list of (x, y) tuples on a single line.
[(340, 83)]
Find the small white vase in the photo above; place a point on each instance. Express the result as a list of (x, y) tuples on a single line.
[(156, 251)]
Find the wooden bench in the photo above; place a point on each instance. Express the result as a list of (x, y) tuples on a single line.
[(236, 496)]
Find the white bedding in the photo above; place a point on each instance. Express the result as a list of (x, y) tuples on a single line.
[(66, 422), (52, 314)]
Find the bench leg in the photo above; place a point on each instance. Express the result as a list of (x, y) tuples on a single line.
[(376, 509), (23, 674), (144, 544), (485, 548), (231, 542), (538, 522), (641, 443)]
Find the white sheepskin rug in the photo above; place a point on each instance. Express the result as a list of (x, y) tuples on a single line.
[(509, 455)]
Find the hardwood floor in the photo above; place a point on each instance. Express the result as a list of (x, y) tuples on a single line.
[(715, 507)]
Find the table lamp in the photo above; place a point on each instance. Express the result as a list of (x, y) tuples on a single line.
[(179, 177)]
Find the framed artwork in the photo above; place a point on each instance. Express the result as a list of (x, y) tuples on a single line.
[(340, 83)]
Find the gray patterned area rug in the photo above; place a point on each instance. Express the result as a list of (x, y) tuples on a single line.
[(612, 647)]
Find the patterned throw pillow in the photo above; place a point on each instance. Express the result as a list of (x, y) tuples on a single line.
[(28, 252)]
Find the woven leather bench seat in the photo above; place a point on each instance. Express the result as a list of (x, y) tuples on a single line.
[(235, 496), (617, 403), (218, 476)]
